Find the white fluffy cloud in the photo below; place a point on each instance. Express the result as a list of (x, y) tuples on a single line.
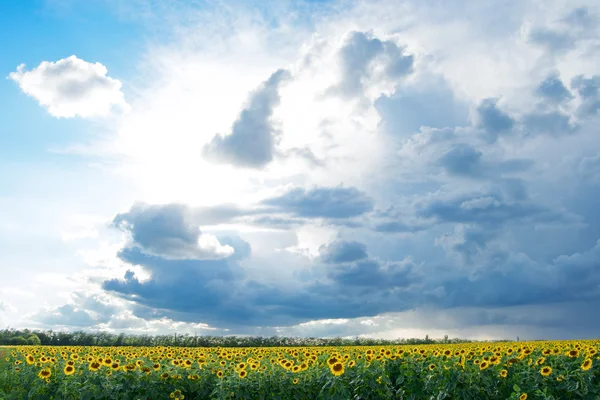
[(71, 87)]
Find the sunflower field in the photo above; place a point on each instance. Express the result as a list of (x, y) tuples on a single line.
[(518, 370)]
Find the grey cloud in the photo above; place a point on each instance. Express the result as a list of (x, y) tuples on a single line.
[(323, 202), (462, 159), (553, 89), (494, 121), (548, 123), (430, 103), (589, 91), (579, 17), (169, 231), (487, 209), (253, 140), (357, 54), (343, 252), (551, 39)]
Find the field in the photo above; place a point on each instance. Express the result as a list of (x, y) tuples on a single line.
[(523, 370)]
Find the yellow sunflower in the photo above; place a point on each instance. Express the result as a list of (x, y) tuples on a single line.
[(337, 369)]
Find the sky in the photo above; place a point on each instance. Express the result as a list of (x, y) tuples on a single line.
[(371, 168)]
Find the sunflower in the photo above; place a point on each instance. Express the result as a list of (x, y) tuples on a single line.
[(295, 381), (431, 367), (540, 360), (503, 373), (483, 365), (164, 375), (351, 364), (243, 373), (30, 359), (69, 370), (45, 373), (337, 369), (94, 366), (523, 396), (574, 353), (219, 374), (587, 364), (546, 371)]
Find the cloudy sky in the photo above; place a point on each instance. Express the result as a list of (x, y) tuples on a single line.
[(383, 168)]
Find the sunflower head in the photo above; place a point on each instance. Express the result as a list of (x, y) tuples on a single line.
[(337, 369), (587, 364), (546, 371)]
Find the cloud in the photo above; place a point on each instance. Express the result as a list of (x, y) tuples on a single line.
[(553, 89), (357, 56), (551, 39), (66, 315), (426, 101), (322, 202), (469, 169), (462, 159), (494, 121), (343, 252), (487, 208), (589, 92), (169, 231), (253, 140), (548, 123), (71, 87)]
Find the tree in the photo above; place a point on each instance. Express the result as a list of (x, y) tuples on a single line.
[(34, 340), (18, 341)]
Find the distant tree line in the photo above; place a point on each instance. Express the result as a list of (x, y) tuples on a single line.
[(18, 337)]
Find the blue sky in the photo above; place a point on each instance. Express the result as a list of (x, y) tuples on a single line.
[(307, 168)]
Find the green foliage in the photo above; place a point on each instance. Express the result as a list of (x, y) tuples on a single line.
[(81, 338), (470, 371)]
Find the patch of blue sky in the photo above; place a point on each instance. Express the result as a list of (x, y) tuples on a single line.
[(35, 31)]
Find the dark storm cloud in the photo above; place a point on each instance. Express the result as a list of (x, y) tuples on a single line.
[(253, 140), (322, 202)]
